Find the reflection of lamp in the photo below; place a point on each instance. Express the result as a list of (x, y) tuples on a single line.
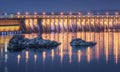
[(70, 55), (79, 55), (35, 58), (27, 56), (61, 55), (52, 54), (6, 46), (44, 56), (88, 54), (18, 57), (6, 57)]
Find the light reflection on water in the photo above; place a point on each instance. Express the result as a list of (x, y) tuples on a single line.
[(106, 51)]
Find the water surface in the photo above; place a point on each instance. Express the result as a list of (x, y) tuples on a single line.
[(104, 57)]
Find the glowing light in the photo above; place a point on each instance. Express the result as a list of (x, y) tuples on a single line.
[(70, 55), (116, 47), (18, 13), (31, 24), (44, 13), (52, 13), (18, 57), (26, 13), (35, 13), (27, 21), (107, 13), (88, 55), (61, 55), (6, 58), (88, 13), (52, 24), (61, 13), (79, 55), (44, 56), (35, 21), (35, 58), (106, 46), (9, 28), (52, 54), (6, 45), (65, 23), (27, 56), (79, 13), (116, 13), (70, 13)]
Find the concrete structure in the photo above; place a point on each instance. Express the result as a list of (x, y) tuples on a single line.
[(60, 22)]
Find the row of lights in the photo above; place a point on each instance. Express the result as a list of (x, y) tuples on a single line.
[(35, 13), (61, 13)]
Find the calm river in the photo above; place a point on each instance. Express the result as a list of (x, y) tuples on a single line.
[(104, 57)]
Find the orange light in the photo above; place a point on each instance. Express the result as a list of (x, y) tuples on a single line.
[(18, 57)]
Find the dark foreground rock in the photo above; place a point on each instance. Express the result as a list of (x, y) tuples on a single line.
[(42, 43), (18, 43), (80, 42)]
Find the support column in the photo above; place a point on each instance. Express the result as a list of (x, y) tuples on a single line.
[(40, 29)]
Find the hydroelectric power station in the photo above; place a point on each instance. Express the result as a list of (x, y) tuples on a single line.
[(57, 22)]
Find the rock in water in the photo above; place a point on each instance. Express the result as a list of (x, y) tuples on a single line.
[(17, 43), (80, 42), (42, 43)]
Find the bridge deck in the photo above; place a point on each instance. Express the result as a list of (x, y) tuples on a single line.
[(57, 16)]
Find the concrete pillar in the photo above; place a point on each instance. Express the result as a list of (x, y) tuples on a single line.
[(40, 29), (22, 26)]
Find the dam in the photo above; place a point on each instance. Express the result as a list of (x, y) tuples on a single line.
[(52, 22)]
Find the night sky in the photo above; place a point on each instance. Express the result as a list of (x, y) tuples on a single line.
[(57, 5)]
